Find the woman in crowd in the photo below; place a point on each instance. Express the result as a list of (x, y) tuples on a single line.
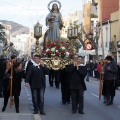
[(110, 76), (18, 74)]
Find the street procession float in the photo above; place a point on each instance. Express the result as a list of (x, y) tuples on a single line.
[(56, 53)]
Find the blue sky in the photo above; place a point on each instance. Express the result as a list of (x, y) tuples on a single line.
[(28, 12)]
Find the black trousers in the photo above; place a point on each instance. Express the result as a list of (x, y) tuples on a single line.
[(0, 88), (96, 74), (38, 98), (65, 91), (77, 99), (57, 81), (51, 77), (16, 100), (109, 88)]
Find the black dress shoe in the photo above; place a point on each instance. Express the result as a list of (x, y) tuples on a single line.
[(17, 111), (64, 102), (81, 112), (3, 109), (73, 112), (57, 87), (68, 102), (108, 103), (42, 113), (35, 112)]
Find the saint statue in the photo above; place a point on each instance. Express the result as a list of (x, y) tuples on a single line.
[(55, 23)]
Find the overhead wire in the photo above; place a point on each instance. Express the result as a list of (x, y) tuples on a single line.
[(21, 6), (24, 8), (16, 14), (29, 13), (12, 4)]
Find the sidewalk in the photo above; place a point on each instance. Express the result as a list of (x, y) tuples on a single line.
[(25, 109)]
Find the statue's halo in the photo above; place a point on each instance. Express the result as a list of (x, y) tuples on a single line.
[(54, 1)]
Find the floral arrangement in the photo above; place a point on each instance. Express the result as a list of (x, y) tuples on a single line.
[(61, 49)]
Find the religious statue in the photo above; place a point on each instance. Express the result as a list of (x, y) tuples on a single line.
[(54, 22)]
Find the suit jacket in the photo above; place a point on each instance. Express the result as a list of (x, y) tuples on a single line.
[(112, 73), (36, 76), (16, 81), (77, 76)]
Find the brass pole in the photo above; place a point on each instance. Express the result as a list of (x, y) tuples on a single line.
[(11, 100), (101, 78), (37, 49)]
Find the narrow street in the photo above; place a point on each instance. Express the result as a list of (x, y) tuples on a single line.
[(55, 110)]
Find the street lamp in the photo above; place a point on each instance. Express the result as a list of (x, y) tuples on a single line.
[(69, 32), (37, 35), (75, 31), (73, 34)]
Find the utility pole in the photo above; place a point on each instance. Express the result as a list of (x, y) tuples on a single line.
[(101, 30)]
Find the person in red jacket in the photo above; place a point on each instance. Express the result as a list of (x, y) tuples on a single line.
[(98, 69)]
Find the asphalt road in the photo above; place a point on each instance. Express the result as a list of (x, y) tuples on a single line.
[(55, 110), (93, 108)]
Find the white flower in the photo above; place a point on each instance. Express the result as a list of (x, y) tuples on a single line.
[(52, 54), (67, 54), (57, 51), (63, 48), (47, 50), (53, 49)]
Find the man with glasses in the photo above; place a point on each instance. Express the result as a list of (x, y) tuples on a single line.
[(77, 85)]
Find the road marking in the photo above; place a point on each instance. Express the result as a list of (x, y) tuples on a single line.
[(94, 95), (14, 114), (37, 117)]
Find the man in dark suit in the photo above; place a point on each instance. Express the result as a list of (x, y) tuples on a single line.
[(110, 77), (36, 74), (77, 84)]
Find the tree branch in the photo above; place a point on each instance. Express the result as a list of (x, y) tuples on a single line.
[(92, 41)]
